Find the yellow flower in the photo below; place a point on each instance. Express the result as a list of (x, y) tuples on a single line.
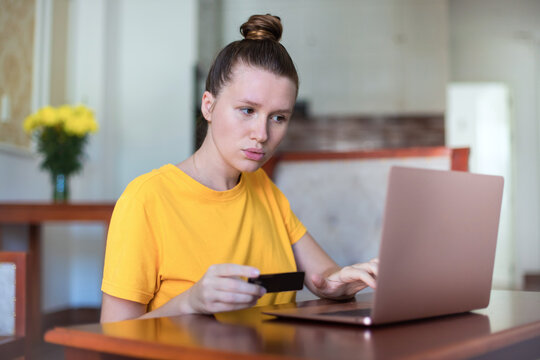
[(64, 112), (81, 123), (30, 123), (73, 120), (49, 116), (72, 126)]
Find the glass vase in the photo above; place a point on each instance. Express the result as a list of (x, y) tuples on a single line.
[(60, 188)]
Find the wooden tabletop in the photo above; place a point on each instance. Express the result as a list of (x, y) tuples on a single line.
[(27, 213), (512, 317)]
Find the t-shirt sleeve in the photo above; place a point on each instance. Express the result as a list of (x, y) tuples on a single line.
[(132, 255), (294, 226)]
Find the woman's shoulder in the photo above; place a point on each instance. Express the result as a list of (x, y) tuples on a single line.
[(260, 183), (150, 182)]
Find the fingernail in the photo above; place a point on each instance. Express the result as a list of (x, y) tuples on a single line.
[(255, 273)]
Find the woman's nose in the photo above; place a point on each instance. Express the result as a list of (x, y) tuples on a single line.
[(259, 131)]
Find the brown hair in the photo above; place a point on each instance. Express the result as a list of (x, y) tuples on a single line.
[(260, 48)]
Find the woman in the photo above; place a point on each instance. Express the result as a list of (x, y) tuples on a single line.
[(183, 237)]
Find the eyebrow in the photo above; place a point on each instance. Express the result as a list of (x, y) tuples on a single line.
[(255, 104)]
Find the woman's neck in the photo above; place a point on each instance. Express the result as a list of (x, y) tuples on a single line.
[(208, 169)]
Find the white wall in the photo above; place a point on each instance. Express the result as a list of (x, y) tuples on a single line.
[(498, 41), (150, 84), (132, 62), (359, 56)]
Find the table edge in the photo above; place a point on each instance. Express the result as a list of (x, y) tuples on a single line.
[(139, 348)]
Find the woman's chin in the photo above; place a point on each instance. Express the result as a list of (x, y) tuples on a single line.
[(250, 166)]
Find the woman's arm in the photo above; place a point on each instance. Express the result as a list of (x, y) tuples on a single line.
[(220, 289), (312, 259), (116, 309), (325, 278)]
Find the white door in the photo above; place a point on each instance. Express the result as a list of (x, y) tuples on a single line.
[(478, 116)]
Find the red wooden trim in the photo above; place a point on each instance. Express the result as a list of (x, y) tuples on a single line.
[(459, 158), (19, 259), (367, 154)]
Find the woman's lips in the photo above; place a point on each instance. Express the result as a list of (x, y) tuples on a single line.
[(254, 154)]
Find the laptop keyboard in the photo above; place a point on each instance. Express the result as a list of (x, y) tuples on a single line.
[(354, 312)]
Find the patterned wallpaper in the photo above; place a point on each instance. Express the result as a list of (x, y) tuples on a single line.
[(361, 132), (16, 58)]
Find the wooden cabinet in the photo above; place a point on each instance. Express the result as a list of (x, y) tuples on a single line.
[(35, 215)]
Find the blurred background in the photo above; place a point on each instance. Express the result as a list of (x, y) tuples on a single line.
[(373, 74)]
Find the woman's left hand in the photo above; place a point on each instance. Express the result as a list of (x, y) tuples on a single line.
[(346, 282)]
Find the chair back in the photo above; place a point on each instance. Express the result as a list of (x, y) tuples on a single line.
[(340, 197), (12, 293)]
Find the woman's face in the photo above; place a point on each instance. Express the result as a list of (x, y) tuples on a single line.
[(249, 117)]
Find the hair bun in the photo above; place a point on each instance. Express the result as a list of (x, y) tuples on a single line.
[(262, 27)]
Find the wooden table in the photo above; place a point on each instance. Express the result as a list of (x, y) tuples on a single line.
[(34, 215), (511, 324)]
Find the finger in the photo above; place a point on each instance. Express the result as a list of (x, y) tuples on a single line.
[(221, 307), (375, 263), (371, 267), (351, 291), (228, 297), (239, 286), (351, 274), (234, 270)]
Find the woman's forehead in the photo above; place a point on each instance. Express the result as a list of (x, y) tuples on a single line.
[(259, 84)]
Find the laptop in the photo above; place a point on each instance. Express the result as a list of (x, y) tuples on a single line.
[(436, 253)]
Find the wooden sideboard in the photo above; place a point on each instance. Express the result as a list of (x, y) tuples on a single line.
[(34, 215)]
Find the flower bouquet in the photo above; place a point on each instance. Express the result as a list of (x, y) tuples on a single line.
[(61, 134)]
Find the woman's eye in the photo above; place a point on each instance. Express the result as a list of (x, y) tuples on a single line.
[(247, 111), (279, 118)]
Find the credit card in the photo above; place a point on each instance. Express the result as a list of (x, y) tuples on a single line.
[(289, 281)]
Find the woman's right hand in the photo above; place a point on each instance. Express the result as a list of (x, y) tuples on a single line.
[(222, 289)]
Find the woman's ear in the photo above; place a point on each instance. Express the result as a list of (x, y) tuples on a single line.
[(207, 105)]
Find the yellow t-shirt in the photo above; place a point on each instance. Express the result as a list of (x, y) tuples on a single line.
[(167, 229)]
